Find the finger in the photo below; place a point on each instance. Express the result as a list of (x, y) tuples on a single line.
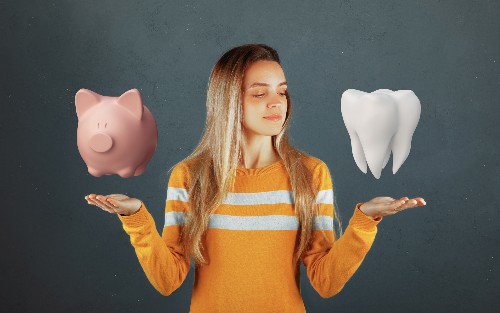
[(416, 202), (408, 204), (398, 202), (105, 203), (420, 201), (411, 203), (98, 204), (403, 200), (396, 206), (113, 203), (90, 200), (112, 200)]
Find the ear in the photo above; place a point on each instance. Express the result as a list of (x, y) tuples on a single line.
[(131, 100), (84, 100)]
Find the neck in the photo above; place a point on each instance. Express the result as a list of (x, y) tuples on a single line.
[(257, 151)]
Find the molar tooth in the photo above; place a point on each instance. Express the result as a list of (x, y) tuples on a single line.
[(378, 123)]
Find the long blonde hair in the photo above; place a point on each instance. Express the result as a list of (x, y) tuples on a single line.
[(214, 161)]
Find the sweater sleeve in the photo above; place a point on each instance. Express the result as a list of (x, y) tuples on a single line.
[(330, 263), (162, 258)]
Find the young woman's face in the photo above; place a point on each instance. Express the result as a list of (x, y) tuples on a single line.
[(264, 94)]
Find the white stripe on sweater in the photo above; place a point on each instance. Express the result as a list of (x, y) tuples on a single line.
[(267, 222)]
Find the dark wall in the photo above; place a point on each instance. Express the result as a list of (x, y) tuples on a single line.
[(60, 254)]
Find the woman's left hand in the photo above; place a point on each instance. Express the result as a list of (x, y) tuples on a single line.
[(382, 206)]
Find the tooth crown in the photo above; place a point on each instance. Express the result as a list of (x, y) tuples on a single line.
[(378, 123)]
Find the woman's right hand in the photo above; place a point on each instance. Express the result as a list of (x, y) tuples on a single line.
[(115, 203)]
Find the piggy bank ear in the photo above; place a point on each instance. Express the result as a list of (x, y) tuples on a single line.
[(131, 100), (84, 100)]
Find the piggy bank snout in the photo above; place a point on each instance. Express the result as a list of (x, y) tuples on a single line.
[(100, 142)]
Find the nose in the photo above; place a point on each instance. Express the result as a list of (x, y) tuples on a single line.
[(277, 100), (101, 142)]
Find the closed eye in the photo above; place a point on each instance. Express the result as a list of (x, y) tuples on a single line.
[(283, 94)]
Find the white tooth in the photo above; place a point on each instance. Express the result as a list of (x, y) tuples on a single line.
[(378, 123)]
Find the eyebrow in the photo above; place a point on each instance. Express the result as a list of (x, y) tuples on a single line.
[(264, 84)]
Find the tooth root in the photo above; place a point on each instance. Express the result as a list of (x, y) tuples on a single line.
[(349, 107), (358, 153), (409, 114), (400, 153), (387, 154)]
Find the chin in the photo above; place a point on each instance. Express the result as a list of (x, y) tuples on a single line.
[(266, 131), (269, 133)]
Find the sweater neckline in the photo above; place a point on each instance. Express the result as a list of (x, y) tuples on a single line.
[(260, 170)]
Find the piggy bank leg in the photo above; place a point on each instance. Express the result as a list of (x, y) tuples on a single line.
[(141, 168), (126, 172), (94, 172)]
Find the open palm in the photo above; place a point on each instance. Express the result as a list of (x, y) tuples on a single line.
[(115, 203), (382, 206)]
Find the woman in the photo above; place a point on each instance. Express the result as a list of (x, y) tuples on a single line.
[(247, 205)]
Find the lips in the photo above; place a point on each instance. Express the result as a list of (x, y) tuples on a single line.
[(378, 123), (274, 116)]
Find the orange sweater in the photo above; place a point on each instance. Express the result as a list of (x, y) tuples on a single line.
[(250, 243)]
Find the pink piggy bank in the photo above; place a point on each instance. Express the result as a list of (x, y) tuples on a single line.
[(115, 135)]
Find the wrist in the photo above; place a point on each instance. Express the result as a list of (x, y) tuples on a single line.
[(365, 213), (139, 205), (129, 213)]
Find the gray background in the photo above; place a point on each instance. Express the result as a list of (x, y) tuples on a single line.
[(60, 254)]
